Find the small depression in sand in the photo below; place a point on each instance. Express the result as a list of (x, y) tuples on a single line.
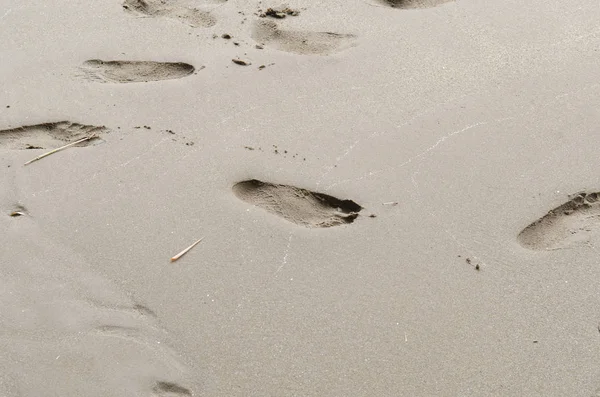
[(300, 206), (408, 4), (567, 225), (134, 71), (300, 41), (173, 9), (48, 135), (169, 389)]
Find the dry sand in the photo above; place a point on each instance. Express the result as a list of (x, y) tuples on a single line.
[(458, 259)]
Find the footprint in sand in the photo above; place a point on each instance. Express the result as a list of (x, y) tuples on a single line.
[(299, 41), (174, 9), (407, 4), (300, 206), (567, 225), (134, 71), (48, 135)]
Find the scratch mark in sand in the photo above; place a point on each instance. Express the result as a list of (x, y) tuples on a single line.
[(337, 161), (396, 127), (421, 154), (285, 256), (95, 175), (6, 13), (144, 153), (570, 40)]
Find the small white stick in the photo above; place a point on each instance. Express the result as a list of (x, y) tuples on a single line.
[(182, 253), (87, 138), (391, 203)]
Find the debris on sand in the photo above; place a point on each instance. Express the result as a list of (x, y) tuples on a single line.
[(240, 62), (185, 251), (87, 138)]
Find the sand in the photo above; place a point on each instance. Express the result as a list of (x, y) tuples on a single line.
[(396, 198)]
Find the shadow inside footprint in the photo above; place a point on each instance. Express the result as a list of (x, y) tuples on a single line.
[(169, 389), (134, 71), (300, 206), (565, 225), (407, 4), (48, 135), (174, 9), (301, 42)]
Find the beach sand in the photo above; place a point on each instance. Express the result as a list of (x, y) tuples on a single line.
[(388, 194)]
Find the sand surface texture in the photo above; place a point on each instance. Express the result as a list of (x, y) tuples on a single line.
[(397, 198)]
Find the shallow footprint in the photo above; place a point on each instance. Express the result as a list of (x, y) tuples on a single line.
[(301, 42), (565, 225), (406, 4), (134, 71), (300, 206), (48, 135), (171, 9)]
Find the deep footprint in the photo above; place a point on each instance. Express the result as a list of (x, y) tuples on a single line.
[(193, 17), (134, 71), (407, 4), (48, 135), (300, 206), (564, 226), (301, 42)]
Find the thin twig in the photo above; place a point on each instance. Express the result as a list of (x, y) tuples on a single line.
[(182, 253), (87, 138)]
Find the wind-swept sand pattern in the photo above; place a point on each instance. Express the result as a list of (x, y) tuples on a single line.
[(134, 71)]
